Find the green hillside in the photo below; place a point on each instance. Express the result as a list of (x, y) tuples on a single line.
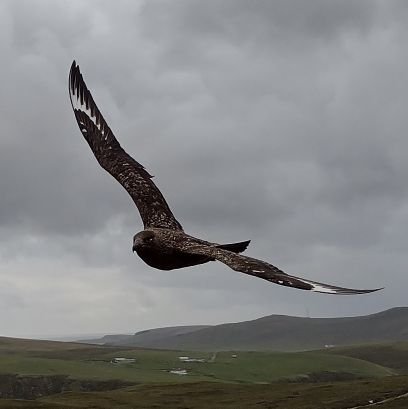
[(393, 356), (156, 365)]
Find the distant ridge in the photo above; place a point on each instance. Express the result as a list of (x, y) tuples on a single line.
[(26, 343), (146, 336), (275, 332)]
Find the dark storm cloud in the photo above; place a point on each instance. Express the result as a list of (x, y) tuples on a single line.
[(278, 121)]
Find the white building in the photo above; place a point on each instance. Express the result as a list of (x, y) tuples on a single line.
[(122, 360)]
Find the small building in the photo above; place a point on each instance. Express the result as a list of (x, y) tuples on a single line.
[(123, 360), (179, 371), (188, 359)]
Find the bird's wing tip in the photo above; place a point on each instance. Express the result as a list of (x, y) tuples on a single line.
[(77, 88), (370, 290), (72, 83), (332, 289), (327, 289), (377, 289), (74, 67)]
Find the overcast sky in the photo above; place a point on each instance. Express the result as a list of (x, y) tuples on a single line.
[(283, 122)]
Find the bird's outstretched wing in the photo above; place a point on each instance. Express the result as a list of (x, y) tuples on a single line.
[(152, 206), (262, 269)]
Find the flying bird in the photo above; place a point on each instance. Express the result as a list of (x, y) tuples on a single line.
[(163, 244)]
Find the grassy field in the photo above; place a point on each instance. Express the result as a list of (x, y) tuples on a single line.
[(341, 395), (90, 362)]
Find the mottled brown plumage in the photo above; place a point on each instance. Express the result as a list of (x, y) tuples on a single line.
[(163, 244)]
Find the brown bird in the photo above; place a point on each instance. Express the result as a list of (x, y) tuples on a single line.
[(163, 244)]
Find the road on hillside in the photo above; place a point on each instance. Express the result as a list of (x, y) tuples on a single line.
[(380, 402)]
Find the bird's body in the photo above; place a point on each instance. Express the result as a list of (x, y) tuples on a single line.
[(163, 244), (171, 260), (166, 249), (163, 249)]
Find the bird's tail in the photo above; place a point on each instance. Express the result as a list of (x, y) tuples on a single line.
[(235, 247)]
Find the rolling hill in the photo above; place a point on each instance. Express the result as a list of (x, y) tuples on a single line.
[(276, 332)]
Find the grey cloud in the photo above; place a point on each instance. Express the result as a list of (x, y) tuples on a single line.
[(281, 122), (268, 22)]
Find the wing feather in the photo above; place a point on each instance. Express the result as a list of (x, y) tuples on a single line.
[(152, 206), (266, 271)]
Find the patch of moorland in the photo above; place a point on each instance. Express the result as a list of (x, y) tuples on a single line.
[(339, 395)]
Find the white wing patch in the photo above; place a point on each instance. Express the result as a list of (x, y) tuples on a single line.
[(82, 101), (76, 104), (321, 289)]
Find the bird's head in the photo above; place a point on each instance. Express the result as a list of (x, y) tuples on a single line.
[(143, 239)]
